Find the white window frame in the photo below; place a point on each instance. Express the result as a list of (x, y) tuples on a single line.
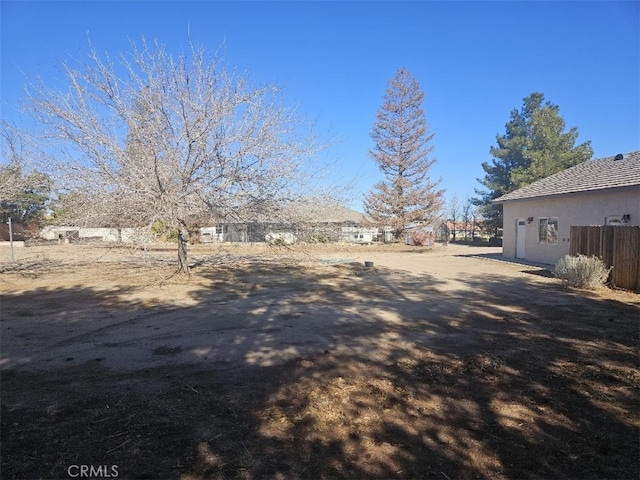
[(548, 230)]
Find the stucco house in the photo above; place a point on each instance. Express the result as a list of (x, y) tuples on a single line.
[(305, 221), (537, 218)]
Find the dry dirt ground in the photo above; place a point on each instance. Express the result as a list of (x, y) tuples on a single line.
[(303, 363)]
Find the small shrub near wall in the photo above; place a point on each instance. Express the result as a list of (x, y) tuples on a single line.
[(582, 271), (320, 237), (421, 238)]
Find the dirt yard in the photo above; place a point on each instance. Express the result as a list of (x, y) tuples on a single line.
[(303, 363)]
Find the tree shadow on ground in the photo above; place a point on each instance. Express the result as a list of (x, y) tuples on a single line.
[(290, 371)]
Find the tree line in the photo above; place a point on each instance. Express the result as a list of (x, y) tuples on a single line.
[(152, 137)]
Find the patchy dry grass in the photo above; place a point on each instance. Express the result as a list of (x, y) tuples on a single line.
[(488, 375)]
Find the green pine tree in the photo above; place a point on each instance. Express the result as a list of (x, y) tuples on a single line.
[(534, 146)]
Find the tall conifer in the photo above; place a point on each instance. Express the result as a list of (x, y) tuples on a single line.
[(403, 151), (533, 147)]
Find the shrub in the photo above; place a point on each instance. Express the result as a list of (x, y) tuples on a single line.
[(280, 239), (278, 242), (421, 238), (582, 271), (161, 230), (320, 237)]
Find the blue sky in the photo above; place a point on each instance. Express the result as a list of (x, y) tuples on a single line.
[(475, 61)]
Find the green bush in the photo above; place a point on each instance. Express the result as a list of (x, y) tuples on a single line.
[(582, 271), (161, 230), (277, 242), (320, 237)]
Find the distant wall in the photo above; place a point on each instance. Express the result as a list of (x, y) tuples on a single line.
[(19, 243), (125, 235), (20, 231)]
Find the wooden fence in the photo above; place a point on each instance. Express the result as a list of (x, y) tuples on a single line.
[(617, 246)]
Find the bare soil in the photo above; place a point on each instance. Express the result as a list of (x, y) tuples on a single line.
[(301, 362)]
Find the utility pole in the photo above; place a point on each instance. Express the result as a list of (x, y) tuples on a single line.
[(11, 240)]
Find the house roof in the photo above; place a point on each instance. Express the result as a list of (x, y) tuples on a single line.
[(599, 174), (307, 211), (328, 213)]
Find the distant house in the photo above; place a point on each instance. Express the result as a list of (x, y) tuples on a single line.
[(537, 218), (303, 222), (211, 234), (459, 230), (106, 234), (306, 222), (361, 234)]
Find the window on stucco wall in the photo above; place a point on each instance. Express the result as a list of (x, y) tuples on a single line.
[(548, 230)]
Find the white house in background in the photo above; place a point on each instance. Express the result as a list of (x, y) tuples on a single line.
[(537, 218), (304, 222), (359, 234), (75, 234), (212, 234)]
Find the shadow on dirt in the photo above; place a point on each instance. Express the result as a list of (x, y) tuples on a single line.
[(343, 373)]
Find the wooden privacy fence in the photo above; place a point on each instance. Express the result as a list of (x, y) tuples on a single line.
[(617, 246)]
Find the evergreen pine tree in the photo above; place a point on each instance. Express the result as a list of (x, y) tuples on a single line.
[(533, 147), (403, 153)]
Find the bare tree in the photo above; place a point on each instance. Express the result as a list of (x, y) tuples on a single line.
[(173, 138), (476, 219), (454, 214), (467, 216), (403, 154)]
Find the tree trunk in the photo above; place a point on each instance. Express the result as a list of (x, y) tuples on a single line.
[(183, 237)]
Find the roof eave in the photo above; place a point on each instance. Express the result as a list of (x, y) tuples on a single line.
[(502, 200)]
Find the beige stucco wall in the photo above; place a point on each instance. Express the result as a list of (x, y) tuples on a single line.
[(127, 235), (571, 209)]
